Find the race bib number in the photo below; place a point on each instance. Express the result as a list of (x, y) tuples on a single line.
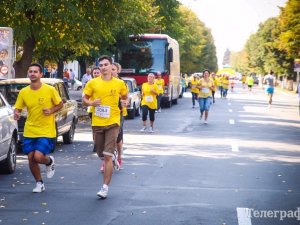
[(205, 90), (149, 98), (102, 111)]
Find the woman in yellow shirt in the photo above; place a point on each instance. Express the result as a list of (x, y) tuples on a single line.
[(225, 86), (206, 86), (161, 85), (194, 89), (149, 102)]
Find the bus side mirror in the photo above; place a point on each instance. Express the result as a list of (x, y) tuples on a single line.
[(170, 52)]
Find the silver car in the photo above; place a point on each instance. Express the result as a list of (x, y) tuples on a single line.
[(8, 137), (133, 107)]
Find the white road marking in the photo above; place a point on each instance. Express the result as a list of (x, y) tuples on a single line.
[(231, 121), (235, 147), (229, 103), (244, 216), (229, 110)]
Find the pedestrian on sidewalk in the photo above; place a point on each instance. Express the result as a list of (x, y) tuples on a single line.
[(41, 101), (103, 94), (86, 77), (270, 81), (149, 102), (72, 79)]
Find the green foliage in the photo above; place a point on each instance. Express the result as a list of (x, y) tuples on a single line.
[(262, 52), (289, 27), (61, 30), (65, 29), (197, 49)]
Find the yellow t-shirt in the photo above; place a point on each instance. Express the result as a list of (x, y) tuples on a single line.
[(149, 99), (250, 80), (109, 92), (205, 91), (160, 84), (37, 123), (225, 83), (194, 89)]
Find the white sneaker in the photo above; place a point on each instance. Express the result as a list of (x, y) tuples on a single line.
[(159, 110), (143, 129), (40, 187), (51, 168), (205, 122), (102, 193), (151, 130)]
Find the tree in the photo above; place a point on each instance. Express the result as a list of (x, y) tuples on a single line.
[(197, 48), (263, 53), (289, 26), (60, 30)]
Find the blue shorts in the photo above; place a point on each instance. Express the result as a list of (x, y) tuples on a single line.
[(270, 90), (43, 145), (204, 103)]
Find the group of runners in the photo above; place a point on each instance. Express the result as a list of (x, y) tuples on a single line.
[(106, 96), (203, 88)]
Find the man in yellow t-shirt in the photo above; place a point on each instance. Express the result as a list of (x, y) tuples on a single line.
[(41, 101), (149, 103), (102, 94), (161, 85)]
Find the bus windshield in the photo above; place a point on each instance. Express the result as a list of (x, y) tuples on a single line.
[(143, 56)]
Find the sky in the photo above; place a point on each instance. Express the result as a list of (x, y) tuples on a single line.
[(233, 21)]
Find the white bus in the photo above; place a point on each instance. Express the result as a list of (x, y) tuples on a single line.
[(150, 53)]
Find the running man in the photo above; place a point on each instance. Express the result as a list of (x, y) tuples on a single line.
[(41, 101), (103, 94), (270, 81)]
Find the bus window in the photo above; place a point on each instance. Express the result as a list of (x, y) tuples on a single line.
[(143, 56)]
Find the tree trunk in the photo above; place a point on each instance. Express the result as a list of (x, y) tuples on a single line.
[(60, 68), (82, 64), (22, 65)]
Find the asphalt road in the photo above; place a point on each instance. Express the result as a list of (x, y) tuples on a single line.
[(241, 169)]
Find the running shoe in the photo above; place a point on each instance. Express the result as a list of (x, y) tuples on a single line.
[(159, 110), (102, 193), (50, 170), (143, 129), (205, 122), (151, 130), (40, 187)]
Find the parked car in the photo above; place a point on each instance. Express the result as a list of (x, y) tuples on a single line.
[(66, 118), (8, 137), (133, 107)]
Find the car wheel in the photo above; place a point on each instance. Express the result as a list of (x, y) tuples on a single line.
[(69, 136), (9, 165)]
